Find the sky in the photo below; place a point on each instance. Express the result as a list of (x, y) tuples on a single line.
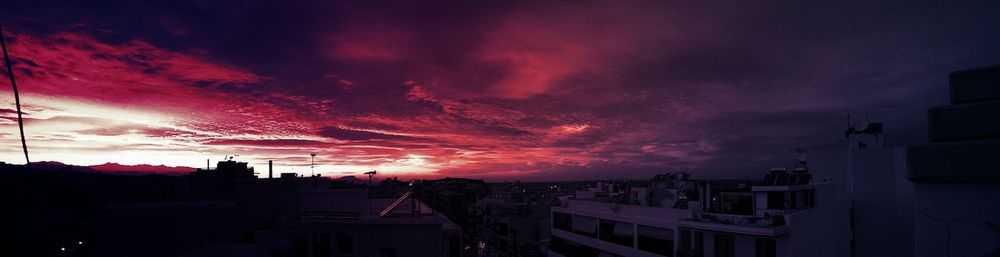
[(498, 90)]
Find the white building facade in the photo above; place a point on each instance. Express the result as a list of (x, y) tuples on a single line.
[(613, 220)]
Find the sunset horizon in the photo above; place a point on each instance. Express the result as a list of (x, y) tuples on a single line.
[(519, 90), (499, 128)]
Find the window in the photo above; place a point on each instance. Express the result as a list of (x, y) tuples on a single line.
[(737, 203), (572, 249), (389, 252), (656, 240), (562, 221), (766, 247), (560, 246), (454, 246), (685, 242), (584, 225), (794, 201), (617, 232), (321, 245), (345, 244), (725, 246), (776, 200), (699, 244), (500, 228), (810, 198)]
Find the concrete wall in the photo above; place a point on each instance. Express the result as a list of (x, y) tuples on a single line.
[(955, 219), (957, 178), (882, 198), (821, 231)]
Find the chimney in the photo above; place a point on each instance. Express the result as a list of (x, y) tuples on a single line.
[(207, 166), (270, 169)]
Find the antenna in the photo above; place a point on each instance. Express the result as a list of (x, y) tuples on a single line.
[(17, 98), (312, 166), (370, 175)]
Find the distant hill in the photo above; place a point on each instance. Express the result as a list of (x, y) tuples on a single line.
[(114, 168), (140, 168)]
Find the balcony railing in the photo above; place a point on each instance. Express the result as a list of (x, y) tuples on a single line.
[(741, 220)]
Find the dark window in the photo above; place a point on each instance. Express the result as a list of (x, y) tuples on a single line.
[(560, 246), (810, 196), (569, 248), (725, 246), (345, 244), (766, 247), (389, 252), (249, 237), (321, 245), (584, 225), (794, 201), (656, 240), (737, 203), (500, 228), (776, 200), (587, 251), (562, 221), (699, 244), (685, 242), (454, 247), (616, 232)]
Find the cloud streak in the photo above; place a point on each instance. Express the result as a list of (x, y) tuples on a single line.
[(491, 89)]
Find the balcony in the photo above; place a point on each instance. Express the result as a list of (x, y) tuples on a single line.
[(741, 224), (741, 220)]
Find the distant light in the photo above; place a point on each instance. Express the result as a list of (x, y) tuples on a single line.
[(79, 243), (62, 248)]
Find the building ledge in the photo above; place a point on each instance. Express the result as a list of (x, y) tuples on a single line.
[(955, 162), (974, 85), (781, 188), (736, 229)]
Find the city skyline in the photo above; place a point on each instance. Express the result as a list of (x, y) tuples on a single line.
[(499, 91)]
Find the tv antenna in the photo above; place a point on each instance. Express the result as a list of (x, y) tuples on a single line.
[(370, 175), (312, 166)]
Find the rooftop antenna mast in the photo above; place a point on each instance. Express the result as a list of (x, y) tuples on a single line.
[(370, 175), (17, 98), (312, 165)]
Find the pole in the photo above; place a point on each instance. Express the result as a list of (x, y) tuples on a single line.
[(17, 98), (312, 167)]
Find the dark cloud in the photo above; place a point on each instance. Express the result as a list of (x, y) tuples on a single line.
[(267, 142), (524, 88), (358, 135)]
